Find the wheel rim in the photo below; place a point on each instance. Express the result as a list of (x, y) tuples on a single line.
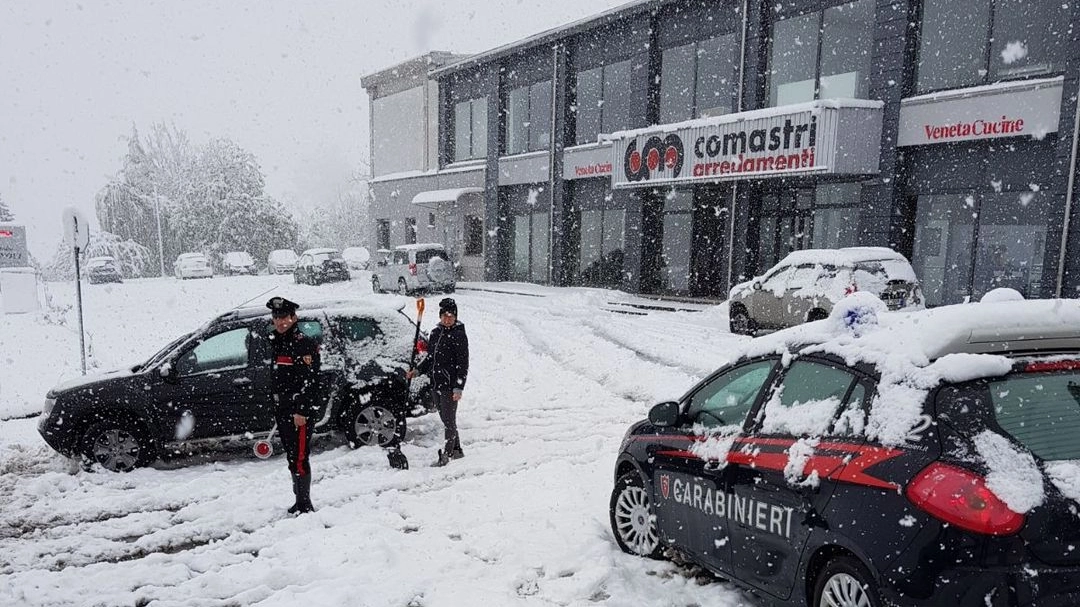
[(402, 288), (634, 521), (844, 590), (116, 450), (740, 323), (375, 426)]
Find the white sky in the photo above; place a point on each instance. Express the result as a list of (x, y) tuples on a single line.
[(281, 78)]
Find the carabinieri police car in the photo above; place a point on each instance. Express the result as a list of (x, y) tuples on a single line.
[(874, 458)]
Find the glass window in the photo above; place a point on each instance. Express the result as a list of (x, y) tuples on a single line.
[(358, 329), (1012, 242), (806, 399), (426, 255), (677, 83), (517, 121), (228, 350), (1041, 411), (844, 35), (836, 215), (474, 235), (410, 230), (521, 247), (845, 51), (616, 102), (462, 131), (953, 42), (726, 399), (592, 238), (852, 418), (675, 255), (1029, 37), (717, 62), (590, 100), (540, 116), (944, 233), (794, 60), (1017, 37), (541, 230), (777, 281), (311, 328), (479, 128), (382, 234)]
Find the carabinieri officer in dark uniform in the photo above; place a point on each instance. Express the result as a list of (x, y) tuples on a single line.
[(295, 367)]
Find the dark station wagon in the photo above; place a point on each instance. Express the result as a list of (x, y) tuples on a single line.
[(214, 385), (922, 459)]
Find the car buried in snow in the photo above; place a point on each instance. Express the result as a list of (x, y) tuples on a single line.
[(874, 459), (214, 386)]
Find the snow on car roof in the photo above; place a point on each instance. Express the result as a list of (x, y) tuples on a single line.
[(379, 307), (320, 251), (841, 257), (418, 247), (190, 255), (101, 258), (914, 352)]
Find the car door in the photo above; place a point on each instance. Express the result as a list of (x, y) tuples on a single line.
[(315, 328), (303, 267), (216, 386), (689, 482), (783, 471), (801, 295), (768, 301)]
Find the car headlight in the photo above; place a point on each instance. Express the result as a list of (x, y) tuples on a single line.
[(47, 409)]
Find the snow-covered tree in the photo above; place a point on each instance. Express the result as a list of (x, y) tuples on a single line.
[(5, 212), (132, 258), (340, 223)]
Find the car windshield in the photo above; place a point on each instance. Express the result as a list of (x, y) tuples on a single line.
[(1041, 411), (156, 358), (239, 258), (100, 263)]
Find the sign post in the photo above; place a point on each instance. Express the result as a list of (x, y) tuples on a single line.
[(77, 234)]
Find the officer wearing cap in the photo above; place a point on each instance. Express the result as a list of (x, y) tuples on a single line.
[(448, 365), (295, 366)]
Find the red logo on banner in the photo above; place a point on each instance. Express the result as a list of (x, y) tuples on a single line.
[(665, 485), (6, 233)]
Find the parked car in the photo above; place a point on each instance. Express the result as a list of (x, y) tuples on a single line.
[(804, 286), (928, 459), (214, 385), (192, 265), (415, 268), (281, 261), (238, 262), (356, 257), (103, 269), (317, 266)]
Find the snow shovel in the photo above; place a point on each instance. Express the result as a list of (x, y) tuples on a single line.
[(394, 454)]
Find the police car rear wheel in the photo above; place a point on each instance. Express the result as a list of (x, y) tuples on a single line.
[(632, 519), (844, 582), (373, 426)]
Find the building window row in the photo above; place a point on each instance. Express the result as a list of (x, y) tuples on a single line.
[(699, 79), (602, 103), (470, 129), (528, 118)]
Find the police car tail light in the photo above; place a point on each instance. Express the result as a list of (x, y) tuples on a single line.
[(412, 269), (960, 497)]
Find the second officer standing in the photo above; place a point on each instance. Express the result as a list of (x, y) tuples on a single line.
[(295, 367)]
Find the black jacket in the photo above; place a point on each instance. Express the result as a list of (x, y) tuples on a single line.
[(447, 362), (295, 365)]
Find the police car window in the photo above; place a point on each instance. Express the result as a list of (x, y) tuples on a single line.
[(728, 397), (228, 350), (311, 328), (852, 418), (806, 399), (1041, 411), (358, 329)]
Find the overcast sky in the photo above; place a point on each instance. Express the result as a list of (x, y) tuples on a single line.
[(280, 78)]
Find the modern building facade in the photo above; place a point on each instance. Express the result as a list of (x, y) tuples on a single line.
[(681, 146)]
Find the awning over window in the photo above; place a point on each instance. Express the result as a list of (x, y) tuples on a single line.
[(432, 198)]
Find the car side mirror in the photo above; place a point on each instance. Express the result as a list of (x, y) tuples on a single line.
[(757, 286), (168, 372), (665, 414)]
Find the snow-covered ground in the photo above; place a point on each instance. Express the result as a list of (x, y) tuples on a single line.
[(556, 377)]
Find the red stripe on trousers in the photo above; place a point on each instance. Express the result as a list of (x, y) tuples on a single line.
[(300, 456)]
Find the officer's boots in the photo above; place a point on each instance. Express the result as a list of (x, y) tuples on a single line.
[(302, 489)]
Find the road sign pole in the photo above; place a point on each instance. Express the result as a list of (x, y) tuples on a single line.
[(78, 301)]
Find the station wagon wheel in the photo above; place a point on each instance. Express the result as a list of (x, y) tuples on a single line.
[(116, 448), (844, 582), (816, 314), (402, 287), (740, 322), (372, 426), (632, 518)]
